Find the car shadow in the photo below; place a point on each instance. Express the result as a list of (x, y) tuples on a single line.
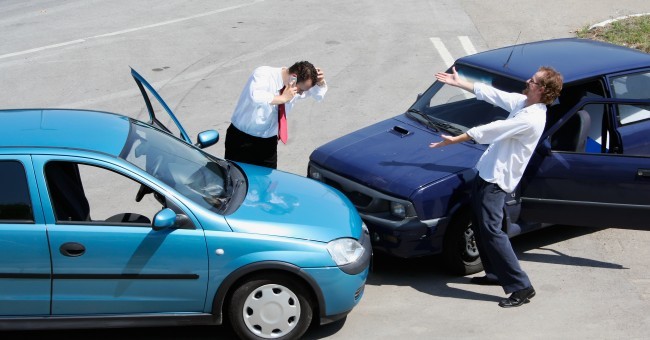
[(427, 274), (144, 333)]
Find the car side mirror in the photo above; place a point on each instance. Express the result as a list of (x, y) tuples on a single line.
[(164, 219), (207, 138)]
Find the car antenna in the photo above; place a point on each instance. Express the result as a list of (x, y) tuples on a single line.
[(513, 49)]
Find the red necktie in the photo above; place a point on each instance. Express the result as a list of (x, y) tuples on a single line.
[(282, 122)]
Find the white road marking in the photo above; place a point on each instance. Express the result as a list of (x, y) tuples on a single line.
[(467, 44), (201, 74), (78, 41), (448, 58), (443, 51)]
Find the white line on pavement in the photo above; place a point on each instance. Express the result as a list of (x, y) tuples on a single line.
[(443, 51), (467, 44), (78, 41)]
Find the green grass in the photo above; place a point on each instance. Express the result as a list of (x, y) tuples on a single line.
[(632, 32)]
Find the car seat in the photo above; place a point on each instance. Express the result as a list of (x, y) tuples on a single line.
[(572, 136)]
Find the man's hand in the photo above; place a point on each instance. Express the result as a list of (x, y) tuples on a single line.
[(288, 93), (320, 77), (446, 140), (454, 79)]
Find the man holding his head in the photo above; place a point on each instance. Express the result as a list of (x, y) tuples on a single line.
[(269, 94)]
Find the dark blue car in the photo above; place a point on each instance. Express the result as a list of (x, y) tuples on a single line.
[(591, 167)]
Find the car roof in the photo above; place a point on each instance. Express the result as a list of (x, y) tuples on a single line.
[(575, 58), (60, 128)]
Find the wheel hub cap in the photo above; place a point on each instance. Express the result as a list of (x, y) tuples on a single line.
[(271, 311)]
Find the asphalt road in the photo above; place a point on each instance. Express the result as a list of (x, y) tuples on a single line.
[(591, 283)]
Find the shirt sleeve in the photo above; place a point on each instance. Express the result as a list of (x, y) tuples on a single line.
[(499, 130), (318, 92), (259, 88), (505, 100)]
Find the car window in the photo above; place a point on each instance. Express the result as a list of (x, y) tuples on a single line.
[(15, 203), (583, 131), (632, 86), (86, 193), (460, 109), (190, 171)]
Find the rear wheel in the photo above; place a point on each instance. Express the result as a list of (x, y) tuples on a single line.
[(270, 307), (460, 252)]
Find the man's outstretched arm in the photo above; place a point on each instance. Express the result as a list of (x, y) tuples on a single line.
[(454, 79)]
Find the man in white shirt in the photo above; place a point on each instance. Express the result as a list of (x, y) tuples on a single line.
[(500, 168), (252, 136)]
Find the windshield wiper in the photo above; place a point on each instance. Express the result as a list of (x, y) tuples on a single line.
[(430, 122), (436, 124), (447, 127)]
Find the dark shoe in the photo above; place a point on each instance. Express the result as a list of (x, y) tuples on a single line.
[(518, 298), (484, 281)]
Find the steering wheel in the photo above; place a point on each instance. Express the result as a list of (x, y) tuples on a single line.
[(141, 192), (144, 190)]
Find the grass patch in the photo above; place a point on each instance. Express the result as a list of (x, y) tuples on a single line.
[(632, 32)]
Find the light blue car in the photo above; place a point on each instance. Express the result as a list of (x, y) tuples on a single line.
[(108, 221)]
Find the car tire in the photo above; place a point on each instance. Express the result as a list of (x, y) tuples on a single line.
[(459, 250), (270, 307)]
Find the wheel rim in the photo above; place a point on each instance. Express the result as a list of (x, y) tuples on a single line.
[(271, 311), (470, 248)]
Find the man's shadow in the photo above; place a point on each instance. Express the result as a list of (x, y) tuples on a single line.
[(428, 275)]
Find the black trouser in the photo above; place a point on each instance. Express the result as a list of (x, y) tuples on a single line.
[(242, 147), (498, 257)]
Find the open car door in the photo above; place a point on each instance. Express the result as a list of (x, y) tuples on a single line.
[(204, 139), (153, 120), (603, 179)]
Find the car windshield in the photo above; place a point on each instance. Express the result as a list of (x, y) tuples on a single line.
[(448, 108), (193, 173)]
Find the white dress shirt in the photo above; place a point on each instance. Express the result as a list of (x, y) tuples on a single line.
[(512, 141), (254, 114)]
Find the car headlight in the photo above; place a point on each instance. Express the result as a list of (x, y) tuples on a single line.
[(398, 209), (315, 174), (345, 251)]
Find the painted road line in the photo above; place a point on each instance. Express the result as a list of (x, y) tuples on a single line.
[(164, 23), (467, 44), (443, 51)]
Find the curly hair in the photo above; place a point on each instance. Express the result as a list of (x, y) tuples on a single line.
[(552, 83), (304, 70)]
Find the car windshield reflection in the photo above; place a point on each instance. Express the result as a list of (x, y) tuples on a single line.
[(454, 110), (193, 173)]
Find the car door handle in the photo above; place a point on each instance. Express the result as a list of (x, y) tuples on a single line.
[(72, 249), (643, 172)]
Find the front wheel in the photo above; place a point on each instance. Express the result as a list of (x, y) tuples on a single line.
[(270, 307), (460, 252)]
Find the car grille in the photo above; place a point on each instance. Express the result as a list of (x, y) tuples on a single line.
[(359, 199)]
